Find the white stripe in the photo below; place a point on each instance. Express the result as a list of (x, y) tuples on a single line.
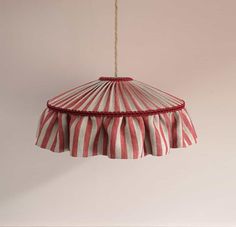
[(165, 132), (53, 134), (92, 135), (72, 132), (189, 134), (128, 139), (179, 129), (157, 123), (152, 134), (81, 135)]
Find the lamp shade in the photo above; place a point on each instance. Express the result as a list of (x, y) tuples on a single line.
[(119, 117)]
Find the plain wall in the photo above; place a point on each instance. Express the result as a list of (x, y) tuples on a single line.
[(185, 47)]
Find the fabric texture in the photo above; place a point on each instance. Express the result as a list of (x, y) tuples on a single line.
[(92, 120)]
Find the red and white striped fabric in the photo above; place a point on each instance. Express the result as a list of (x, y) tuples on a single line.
[(119, 117)]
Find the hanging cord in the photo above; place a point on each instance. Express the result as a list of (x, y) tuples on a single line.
[(116, 37)]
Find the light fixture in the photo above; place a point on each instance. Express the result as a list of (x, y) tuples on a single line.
[(119, 117)]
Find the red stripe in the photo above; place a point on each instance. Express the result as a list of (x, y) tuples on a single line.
[(105, 145), (49, 114), (49, 131), (100, 98), (44, 120), (113, 137), (186, 138), (116, 103), (133, 137), (72, 118), (87, 137), (95, 143), (142, 99), (131, 97), (183, 141), (60, 132), (168, 125), (147, 135), (123, 98), (124, 154), (145, 149), (174, 137), (52, 148), (76, 137), (142, 130), (105, 136), (108, 98)]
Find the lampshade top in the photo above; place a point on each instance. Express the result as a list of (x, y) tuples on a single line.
[(115, 96)]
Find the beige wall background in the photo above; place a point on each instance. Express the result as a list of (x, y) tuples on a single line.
[(185, 47)]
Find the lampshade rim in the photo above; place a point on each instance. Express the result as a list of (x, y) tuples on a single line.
[(118, 114)]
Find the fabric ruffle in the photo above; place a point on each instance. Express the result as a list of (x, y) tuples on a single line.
[(123, 137)]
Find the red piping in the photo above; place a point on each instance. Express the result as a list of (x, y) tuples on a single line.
[(118, 114), (115, 78)]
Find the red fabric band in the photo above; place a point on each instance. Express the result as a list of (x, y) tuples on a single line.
[(115, 78), (118, 114)]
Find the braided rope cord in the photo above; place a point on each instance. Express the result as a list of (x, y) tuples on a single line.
[(116, 37)]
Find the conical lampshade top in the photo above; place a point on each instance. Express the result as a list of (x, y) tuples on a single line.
[(115, 96)]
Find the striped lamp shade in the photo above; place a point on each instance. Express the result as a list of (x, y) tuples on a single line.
[(119, 117)]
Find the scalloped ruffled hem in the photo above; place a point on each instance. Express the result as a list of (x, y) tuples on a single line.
[(122, 137)]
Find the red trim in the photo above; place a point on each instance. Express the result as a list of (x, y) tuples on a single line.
[(115, 78), (118, 114)]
